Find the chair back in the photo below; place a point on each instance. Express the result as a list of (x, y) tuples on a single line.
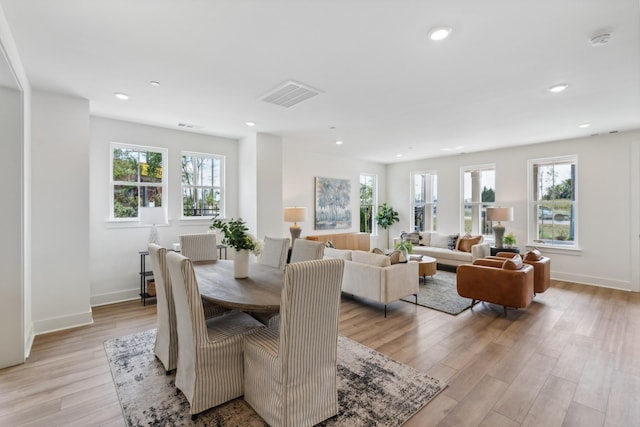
[(274, 253), (199, 247), (306, 250), (192, 328), (166, 345), (309, 313)]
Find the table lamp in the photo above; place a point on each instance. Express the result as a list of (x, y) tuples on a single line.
[(294, 215), (499, 214), (152, 217)]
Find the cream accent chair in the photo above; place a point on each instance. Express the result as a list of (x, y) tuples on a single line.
[(290, 374), (275, 251), (199, 247), (202, 248), (306, 250), (166, 346), (210, 365)]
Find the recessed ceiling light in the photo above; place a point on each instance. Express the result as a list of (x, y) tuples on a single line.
[(399, 155), (121, 95), (584, 125), (558, 88), (250, 124), (440, 33), (339, 142), (154, 83)]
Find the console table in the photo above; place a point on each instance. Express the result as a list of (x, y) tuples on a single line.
[(512, 249)]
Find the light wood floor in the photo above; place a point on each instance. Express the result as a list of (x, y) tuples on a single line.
[(572, 358)]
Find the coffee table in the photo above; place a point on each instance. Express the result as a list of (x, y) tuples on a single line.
[(427, 267)]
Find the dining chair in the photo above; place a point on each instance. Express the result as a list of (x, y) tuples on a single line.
[(199, 247), (166, 345), (306, 250), (274, 252), (290, 374), (210, 364)]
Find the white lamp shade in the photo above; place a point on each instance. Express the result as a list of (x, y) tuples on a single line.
[(295, 214), (153, 216), (500, 214)]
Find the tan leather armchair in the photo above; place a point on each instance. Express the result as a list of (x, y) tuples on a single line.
[(507, 282), (541, 268)]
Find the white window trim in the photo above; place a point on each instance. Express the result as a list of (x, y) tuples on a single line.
[(374, 201), (463, 169), (223, 172), (165, 178), (412, 225), (532, 217)]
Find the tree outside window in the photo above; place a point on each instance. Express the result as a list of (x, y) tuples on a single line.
[(478, 194), (137, 179), (202, 185), (368, 196)]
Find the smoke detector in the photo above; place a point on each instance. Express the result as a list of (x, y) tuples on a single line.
[(600, 39)]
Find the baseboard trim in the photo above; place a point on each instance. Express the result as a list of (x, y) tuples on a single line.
[(114, 297), (62, 322), (603, 282)]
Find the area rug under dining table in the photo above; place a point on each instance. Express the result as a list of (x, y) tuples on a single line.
[(373, 389)]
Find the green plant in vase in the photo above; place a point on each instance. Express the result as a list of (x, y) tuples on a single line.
[(509, 240)]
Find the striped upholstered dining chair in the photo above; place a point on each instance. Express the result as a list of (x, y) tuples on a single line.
[(210, 366), (275, 251), (290, 374), (306, 250)]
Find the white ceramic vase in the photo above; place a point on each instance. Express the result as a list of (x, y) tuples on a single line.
[(241, 264)]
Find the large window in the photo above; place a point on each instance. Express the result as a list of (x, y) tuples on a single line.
[(138, 179), (478, 193), (368, 197), (424, 198), (553, 204), (202, 185)]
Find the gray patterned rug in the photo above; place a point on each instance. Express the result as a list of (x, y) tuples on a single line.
[(373, 389), (439, 292)]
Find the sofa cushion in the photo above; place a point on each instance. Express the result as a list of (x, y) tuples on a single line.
[(439, 240), (337, 253), (370, 258), (514, 263), (452, 243), (533, 255), (467, 241)]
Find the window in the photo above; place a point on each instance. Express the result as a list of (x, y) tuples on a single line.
[(368, 196), (478, 194), (553, 204), (138, 179), (202, 185), (424, 198)]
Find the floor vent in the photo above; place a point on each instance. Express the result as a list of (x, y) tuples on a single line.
[(289, 94)]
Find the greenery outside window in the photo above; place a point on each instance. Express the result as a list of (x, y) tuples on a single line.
[(138, 179), (478, 193), (202, 185), (553, 204), (424, 198), (368, 202)]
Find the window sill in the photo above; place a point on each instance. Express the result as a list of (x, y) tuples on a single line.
[(573, 250)]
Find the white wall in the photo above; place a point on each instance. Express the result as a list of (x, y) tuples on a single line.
[(604, 200), (269, 186), (114, 247), (300, 170), (60, 202)]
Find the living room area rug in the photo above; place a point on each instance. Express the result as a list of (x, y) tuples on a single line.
[(439, 293), (373, 389)]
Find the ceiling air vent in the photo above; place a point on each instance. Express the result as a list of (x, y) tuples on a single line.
[(189, 126), (289, 94)]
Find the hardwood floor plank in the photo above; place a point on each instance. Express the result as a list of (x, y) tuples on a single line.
[(623, 406)]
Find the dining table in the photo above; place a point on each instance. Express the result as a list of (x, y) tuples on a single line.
[(258, 293)]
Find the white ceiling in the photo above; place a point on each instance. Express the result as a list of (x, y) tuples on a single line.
[(386, 88)]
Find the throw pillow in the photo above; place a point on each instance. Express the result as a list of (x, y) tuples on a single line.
[(533, 255), (371, 259), (453, 241), (377, 251), (413, 237), (439, 240), (514, 263), (396, 257), (467, 241), (425, 238), (329, 244)]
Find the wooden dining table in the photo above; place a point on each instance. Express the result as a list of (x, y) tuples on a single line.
[(258, 293)]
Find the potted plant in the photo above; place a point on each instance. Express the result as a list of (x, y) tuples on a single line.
[(405, 246), (236, 236), (386, 217), (509, 240)]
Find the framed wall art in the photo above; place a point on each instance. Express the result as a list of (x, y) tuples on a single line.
[(333, 203)]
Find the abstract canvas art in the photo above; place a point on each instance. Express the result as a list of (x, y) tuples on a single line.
[(333, 203)]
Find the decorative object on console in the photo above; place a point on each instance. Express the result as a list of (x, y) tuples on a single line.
[(236, 236), (294, 215), (499, 214), (153, 217)]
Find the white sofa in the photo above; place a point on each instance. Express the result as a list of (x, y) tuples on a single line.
[(436, 245), (372, 276)]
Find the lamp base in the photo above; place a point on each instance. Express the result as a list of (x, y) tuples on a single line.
[(498, 231), (154, 236), (295, 231)]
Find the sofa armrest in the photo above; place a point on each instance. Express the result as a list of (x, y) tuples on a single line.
[(400, 280), (363, 280), (481, 250)]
